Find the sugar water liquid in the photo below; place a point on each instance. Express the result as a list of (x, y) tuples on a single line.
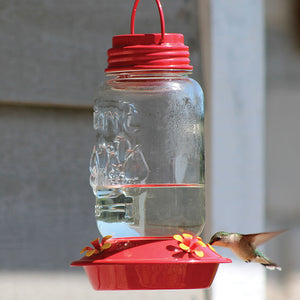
[(150, 210)]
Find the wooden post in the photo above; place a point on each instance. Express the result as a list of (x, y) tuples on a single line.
[(232, 42)]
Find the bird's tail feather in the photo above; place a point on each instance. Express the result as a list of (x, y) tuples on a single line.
[(265, 261), (272, 266)]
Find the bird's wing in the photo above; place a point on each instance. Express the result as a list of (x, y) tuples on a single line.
[(257, 239)]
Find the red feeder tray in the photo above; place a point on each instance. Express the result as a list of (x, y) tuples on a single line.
[(144, 263)]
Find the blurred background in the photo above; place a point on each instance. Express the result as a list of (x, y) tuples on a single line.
[(52, 59), (282, 39)]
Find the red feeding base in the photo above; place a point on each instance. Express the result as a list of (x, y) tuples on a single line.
[(152, 263)]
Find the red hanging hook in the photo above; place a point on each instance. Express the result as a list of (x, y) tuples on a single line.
[(161, 14)]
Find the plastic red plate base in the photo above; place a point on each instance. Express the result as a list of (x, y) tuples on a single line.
[(150, 263)]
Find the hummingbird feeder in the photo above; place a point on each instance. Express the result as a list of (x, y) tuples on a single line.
[(147, 169)]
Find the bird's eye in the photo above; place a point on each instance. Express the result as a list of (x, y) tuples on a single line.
[(217, 238)]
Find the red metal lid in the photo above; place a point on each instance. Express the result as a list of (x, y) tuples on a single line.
[(155, 51)]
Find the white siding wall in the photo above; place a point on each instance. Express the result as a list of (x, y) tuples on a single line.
[(233, 51)]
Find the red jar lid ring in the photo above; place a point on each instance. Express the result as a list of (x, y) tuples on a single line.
[(148, 52), (155, 51)]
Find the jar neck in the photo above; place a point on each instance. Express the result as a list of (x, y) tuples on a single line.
[(127, 75), (149, 81)]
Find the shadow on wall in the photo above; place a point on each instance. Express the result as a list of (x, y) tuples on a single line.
[(47, 206)]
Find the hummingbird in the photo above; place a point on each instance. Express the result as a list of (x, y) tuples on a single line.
[(244, 246)]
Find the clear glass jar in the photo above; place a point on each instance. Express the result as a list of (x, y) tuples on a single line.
[(147, 166)]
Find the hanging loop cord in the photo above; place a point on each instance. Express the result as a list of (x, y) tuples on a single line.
[(161, 14)]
